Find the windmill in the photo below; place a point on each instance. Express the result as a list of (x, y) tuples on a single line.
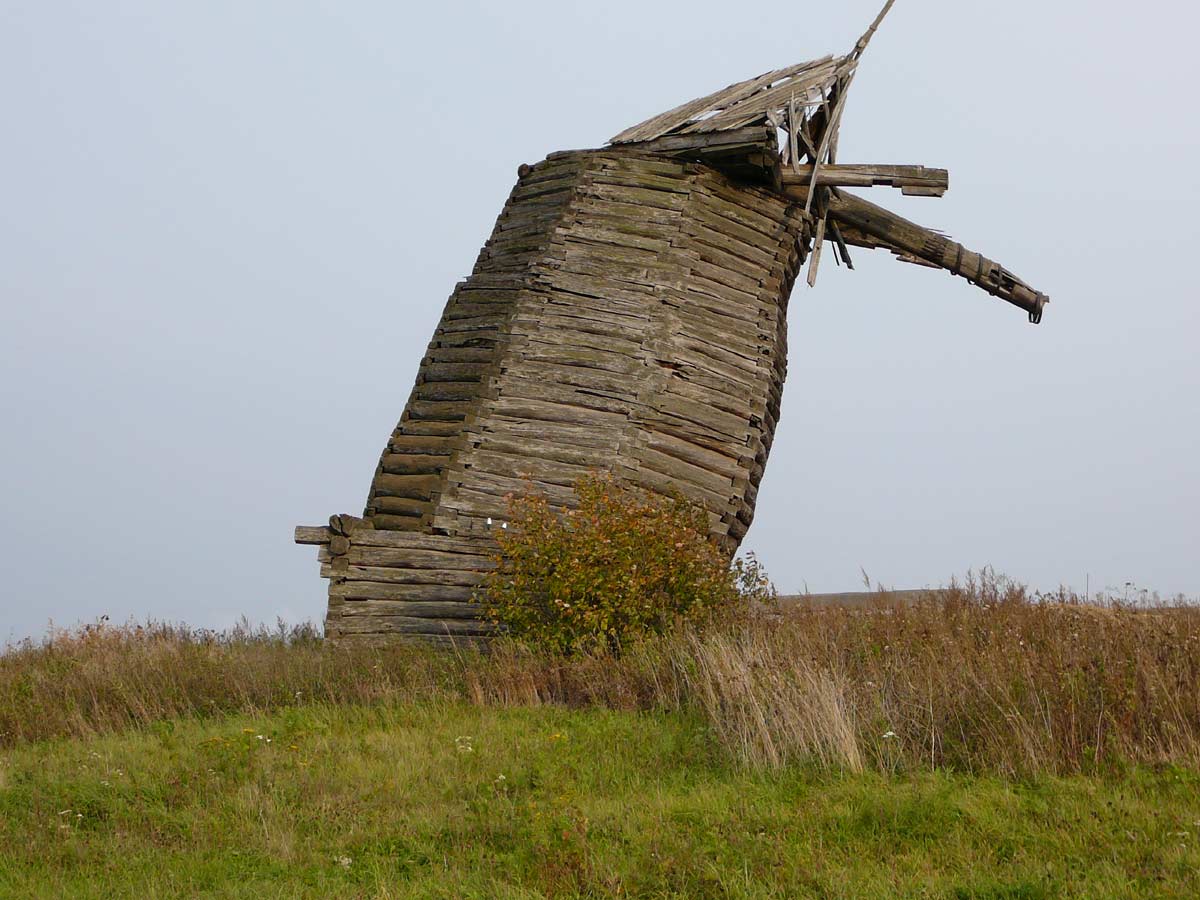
[(628, 314)]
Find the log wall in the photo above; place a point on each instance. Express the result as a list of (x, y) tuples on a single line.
[(629, 314)]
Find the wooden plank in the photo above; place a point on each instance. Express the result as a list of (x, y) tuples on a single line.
[(466, 502), (549, 320), (733, 238), (650, 479), (439, 411), (638, 196), (499, 487), (736, 403), (417, 609), (599, 380), (717, 486), (412, 464), (447, 391), (699, 145), (732, 426), (549, 411), (417, 487), (706, 319), (395, 524), (570, 332), (418, 444), (441, 353), (430, 543), (404, 558), (514, 386), (582, 357), (650, 221), (935, 181), (715, 248), (711, 460), (399, 506), (584, 437), (526, 465), (554, 447), (375, 590), (417, 427), (313, 534), (393, 575), (598, 234), (459, 372), (699, 282), (726, 362), (757, 210)]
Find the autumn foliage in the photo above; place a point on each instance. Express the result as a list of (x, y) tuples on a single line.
[(625, 563)]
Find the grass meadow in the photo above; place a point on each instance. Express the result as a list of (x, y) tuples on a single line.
[(985, 743)]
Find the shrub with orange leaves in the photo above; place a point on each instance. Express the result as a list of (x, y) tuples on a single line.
[(625, 563)]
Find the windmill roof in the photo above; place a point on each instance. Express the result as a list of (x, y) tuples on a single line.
[(761, 100)]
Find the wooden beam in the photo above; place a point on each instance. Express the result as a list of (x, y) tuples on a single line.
[(865, 224), (750, 152), (914, 180), (756, 136), (313, 534)]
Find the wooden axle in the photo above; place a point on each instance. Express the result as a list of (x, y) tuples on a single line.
[(864, 224), (913, 180)]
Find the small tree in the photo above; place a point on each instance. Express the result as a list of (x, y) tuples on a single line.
[(625, 563)]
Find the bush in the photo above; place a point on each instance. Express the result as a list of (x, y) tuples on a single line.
[(624, 564)]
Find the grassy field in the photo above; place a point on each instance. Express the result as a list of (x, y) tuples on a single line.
[(982, 744), (451, 800)]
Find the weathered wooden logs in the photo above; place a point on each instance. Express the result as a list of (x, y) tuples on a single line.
[(628, 314)]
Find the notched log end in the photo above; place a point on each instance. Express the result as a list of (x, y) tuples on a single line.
[(313, 534)]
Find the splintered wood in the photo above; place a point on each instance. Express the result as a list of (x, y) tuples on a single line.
[(628, 314)]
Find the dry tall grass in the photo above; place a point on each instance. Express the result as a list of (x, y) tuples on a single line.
[(103, 678), (980, 678)]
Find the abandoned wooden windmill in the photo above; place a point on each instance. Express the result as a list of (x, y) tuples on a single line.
[(628, 314)]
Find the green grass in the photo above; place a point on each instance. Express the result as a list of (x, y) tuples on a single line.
[(405, 800)]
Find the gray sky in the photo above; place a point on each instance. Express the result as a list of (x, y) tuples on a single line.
[(227, 231)]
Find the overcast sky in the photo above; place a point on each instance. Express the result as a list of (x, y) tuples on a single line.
[(227, 231)]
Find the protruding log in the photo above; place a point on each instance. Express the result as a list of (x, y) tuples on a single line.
[(913, 243), (914, 180), (313, 534)]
